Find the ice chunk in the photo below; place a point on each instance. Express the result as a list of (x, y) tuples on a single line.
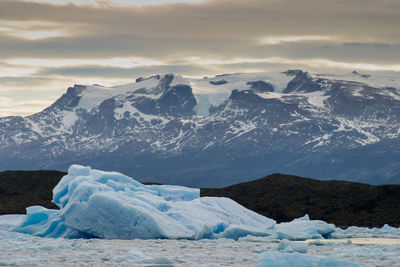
[(111, 205), (137, 257), (292, 246), (46, 222), (132, 256), (158, 261), (303, 228), (276, 259)]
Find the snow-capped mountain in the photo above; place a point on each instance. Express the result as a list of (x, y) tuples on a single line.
[(220, 130)]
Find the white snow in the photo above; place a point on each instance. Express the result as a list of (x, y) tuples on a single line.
[(378, 79), (93, 95), (362, 127), (68, 119), (239, 128), (269, 95), (357, 91), (34, 126), (317, 98), (179, 80), (208, 94)]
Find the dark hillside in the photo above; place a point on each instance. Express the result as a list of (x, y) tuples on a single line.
[(285, 197), (21, 189)]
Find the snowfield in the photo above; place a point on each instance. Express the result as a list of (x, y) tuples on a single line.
[(109, 219)]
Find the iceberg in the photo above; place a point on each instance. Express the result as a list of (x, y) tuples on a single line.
[(110, 205)]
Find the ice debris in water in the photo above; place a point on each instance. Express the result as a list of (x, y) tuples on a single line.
[(134, 256), (303, 228), (385, 231), (276, 259)]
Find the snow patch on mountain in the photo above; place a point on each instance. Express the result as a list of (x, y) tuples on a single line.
[(317, 99), (213, 91), (377, 79), (69, 119)]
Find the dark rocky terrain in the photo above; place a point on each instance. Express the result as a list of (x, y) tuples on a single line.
[(278, 196), (21, 189), (285, 197)]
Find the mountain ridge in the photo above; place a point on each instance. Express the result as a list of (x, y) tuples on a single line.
[(218, 131)]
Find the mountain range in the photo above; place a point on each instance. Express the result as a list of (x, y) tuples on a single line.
[(217, 131)]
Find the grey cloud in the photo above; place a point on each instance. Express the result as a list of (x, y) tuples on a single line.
[(110, 72), (234, 19), (175, 50), (32, 81), (213, 29), (117, 46), (374, 45)]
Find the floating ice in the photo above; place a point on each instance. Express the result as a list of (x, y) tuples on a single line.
[(9, 221), (276, 259), (292, 246), (114, 206), (385, 231), (303, 228), (132, 256)]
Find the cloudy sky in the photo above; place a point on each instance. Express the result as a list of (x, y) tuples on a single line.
[(48, 45)]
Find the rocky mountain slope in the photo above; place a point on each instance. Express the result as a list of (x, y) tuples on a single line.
[(218, 131)]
